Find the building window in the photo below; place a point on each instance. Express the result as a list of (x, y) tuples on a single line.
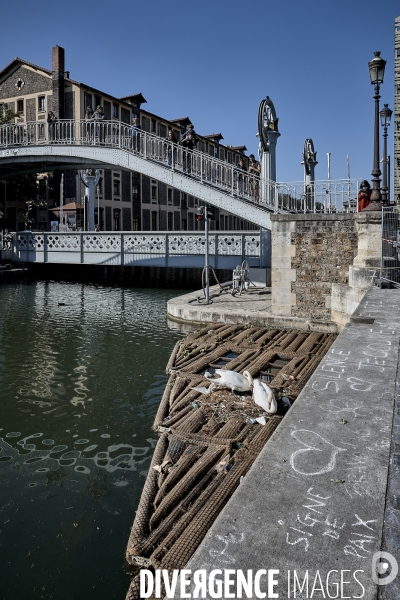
[(99, 189), (169, 226), (154, 193), (115, 111), (154, 221), (153, 126), (169, 196), (97, 102), (183, 200), (117, 185), (42, 103), (117, 215), (135, 224), (230, 157), (135, 191), (184, 224), (20, 107)]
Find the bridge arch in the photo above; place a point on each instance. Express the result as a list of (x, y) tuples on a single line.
[(75, 144), (23, 149)]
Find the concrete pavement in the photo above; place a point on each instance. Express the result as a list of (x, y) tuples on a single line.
[(253, 306)]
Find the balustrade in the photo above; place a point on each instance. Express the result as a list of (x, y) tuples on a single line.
[(129, 248)]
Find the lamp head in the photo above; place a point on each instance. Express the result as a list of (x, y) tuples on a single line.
[(385, 115), (377, 68)]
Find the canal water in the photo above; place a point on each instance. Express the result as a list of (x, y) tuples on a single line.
[(81, 377)]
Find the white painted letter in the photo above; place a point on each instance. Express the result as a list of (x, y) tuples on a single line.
[(228, 583), (145, 573), (272, 583), (200, 581), (215, 586), (257, 591), (185, 581), (242, 583)]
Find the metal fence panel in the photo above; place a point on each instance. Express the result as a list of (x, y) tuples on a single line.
[(390, 255)]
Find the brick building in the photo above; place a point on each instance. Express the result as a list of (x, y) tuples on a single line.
[(127, 201)]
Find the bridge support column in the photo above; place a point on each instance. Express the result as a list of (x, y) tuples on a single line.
[(90, 179), (268, 169)]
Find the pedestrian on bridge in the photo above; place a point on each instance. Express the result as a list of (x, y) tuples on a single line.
[(187, 144), (51, 120), (240, 176), (135, 134), (190, 131), (170, 150), (254, 178), (98, 116)]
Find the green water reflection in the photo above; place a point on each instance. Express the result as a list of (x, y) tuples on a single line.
[(81, 376)]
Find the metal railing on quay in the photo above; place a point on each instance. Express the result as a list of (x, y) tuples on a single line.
[(390, 251), (328, 196), (122, 246)]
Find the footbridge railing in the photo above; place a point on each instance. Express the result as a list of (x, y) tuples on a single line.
[(320, 196), (158, 249)]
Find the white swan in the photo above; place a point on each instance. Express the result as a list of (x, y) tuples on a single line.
[(263, 395), (230, 379)]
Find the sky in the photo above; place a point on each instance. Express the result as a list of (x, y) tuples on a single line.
[(215, 60)]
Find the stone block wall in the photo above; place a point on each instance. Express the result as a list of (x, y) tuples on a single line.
[(365, 268), (33, 83), (309, 253), (325, 248)]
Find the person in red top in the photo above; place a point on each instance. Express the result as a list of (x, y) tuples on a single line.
[(364, 195)]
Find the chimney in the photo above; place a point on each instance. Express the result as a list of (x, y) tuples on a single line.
[(58, 68)]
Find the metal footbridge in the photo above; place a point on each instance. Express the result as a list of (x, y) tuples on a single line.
[(36, 147)]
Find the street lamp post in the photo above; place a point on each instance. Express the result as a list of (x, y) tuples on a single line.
[(206, 214), (385, 115), (376, 72)]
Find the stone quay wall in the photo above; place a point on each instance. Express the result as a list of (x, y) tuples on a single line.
[(313, 254)]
